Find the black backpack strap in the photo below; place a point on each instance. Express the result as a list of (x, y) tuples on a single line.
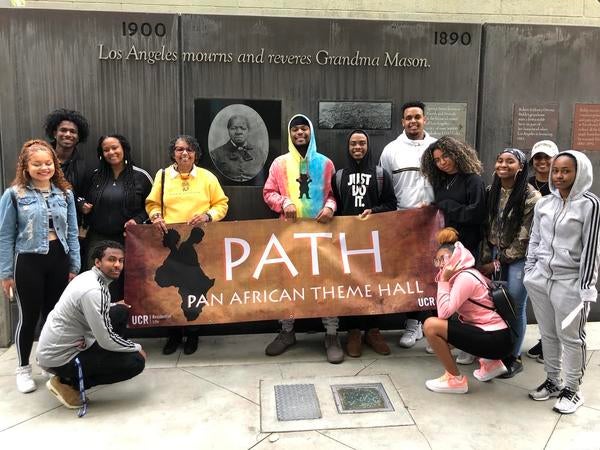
[(487, 286), (379, 176), (338, 181), (162, 193)]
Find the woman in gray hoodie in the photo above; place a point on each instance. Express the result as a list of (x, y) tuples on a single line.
[(561, 273)]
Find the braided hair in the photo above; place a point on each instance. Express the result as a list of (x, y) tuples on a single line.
[(104, 174), (512, 215)]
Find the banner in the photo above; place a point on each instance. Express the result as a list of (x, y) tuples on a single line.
[(227, 272)]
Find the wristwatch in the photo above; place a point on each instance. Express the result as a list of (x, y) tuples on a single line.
[(155, 216)]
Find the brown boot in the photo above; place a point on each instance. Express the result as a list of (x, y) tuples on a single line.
[(354, 345), (375, 340)]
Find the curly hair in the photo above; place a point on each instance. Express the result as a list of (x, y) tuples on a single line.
[(57, 116), (103, 175), (463, 155), (412, 104), (512, 215), (189, 140), (22, 177), (97, 252), (447, 237)]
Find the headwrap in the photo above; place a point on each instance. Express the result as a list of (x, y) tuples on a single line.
[(517, 154)]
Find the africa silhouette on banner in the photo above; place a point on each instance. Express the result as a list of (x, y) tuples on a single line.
[(227, 272)]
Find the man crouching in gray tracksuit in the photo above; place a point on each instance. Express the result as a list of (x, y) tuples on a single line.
[(78, 344)]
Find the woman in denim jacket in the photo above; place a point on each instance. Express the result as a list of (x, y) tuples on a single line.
[(39, 247)]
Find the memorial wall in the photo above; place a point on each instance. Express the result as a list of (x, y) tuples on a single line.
[(151, 76)]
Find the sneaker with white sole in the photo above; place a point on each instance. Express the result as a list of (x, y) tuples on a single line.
[(412, 333), (489, 369), (66, 394), (464, 358), (546, 390), (568, 401), (25, 383), (429, 349), (448, 384)]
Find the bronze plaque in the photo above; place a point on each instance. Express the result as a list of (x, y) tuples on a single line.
[(533, 123), (446, 119), (586, 126)]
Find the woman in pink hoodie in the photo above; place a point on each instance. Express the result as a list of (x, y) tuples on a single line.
[(479, 331)]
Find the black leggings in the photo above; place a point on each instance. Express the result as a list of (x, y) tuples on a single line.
[(40, 280)]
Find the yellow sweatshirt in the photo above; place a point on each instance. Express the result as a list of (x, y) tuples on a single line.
[(200, 193)]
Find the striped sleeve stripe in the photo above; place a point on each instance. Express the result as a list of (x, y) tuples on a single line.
[(143, 172), (591, 250), (106, 318), (407, 169)]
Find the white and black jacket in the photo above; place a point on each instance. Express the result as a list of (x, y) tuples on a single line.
[(79, 319), (564, 241)]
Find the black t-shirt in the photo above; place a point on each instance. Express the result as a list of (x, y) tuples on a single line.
[(541, 186)]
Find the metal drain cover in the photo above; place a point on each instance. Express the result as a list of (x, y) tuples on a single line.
[(361, 398), (296, 402)]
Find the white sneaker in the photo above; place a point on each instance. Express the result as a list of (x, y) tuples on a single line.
[(413, 333), (568, 401), (429, 349), (464, 358), (25, 383), (45, 374)]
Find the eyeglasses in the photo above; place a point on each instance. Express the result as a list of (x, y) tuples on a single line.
[(440, 262), (184, 149)]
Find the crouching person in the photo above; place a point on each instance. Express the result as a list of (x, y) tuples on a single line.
[(78, 344), (479, 331)]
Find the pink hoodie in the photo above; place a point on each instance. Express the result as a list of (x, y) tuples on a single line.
[(453, 295)]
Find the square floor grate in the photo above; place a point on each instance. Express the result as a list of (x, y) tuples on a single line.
[(296, 402), (361, 398)]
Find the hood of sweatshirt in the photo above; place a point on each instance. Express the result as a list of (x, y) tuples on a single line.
[(461, 259), (365, 163), (583, 178)]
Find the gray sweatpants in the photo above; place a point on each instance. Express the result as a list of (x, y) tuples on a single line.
[(330, 324), (553, 301)]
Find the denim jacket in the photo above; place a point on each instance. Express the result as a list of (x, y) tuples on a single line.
[(24, 228)]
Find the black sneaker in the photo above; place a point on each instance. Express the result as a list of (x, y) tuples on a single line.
[(536, 350), (172, 344), (191, 345), (514, 367)]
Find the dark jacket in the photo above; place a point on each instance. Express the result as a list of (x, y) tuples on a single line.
[(461, 197), (75, 171), (358, 187), (110, 211)]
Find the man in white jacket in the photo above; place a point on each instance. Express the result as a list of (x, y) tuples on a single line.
[(402, 158), (77, 343)]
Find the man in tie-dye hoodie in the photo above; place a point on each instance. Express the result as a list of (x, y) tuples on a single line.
[(299, 186)]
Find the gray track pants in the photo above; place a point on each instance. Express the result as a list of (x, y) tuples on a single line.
[(563, 341)]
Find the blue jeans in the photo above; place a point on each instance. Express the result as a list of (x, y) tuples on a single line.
[(516, 289)]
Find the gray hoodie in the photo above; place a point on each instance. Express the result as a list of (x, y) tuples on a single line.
[(79, 319), (564, 241)]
